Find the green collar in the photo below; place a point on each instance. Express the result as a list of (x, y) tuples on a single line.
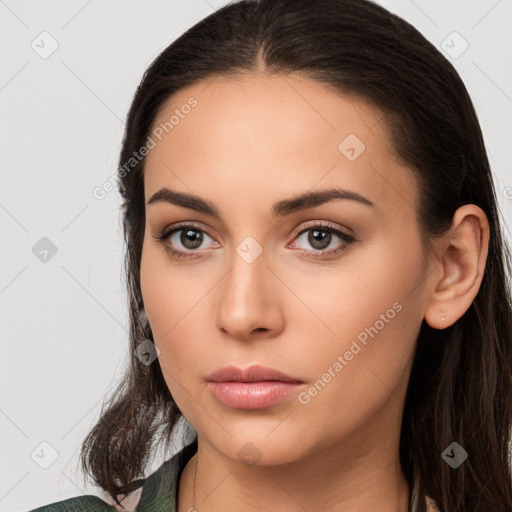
[(160, 490)]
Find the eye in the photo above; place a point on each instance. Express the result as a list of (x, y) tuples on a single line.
[(320, 236), (186, 240), (187, 237)]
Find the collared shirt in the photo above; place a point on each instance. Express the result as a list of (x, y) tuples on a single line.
[(159, 492)]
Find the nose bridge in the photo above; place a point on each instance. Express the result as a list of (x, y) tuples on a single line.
[(245, 283), (246, 300)]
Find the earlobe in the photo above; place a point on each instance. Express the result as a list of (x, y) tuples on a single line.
[(461, 260), (438, 319)]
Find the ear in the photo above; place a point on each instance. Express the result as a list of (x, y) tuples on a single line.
[(459, 267)]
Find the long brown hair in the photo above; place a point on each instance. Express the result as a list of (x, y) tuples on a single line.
[(460, 387)]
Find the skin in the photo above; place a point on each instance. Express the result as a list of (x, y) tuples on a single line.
[(253, 140)]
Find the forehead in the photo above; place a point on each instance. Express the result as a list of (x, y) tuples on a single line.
[(274, 135)]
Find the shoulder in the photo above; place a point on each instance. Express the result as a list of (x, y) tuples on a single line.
[(88, 503), (158, 493)]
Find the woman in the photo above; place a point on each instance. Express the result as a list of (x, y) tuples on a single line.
[(317, 275)]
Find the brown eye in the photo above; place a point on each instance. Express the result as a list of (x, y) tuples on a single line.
[(319, 239), (321, 236), (191, 238), (183, 241)]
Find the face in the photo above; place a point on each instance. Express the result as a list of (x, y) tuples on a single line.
[(329, 292)]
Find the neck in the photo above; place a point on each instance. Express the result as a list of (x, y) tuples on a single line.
[(332, 479)]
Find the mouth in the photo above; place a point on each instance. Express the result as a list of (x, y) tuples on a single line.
[(255, 373), (254, 387)]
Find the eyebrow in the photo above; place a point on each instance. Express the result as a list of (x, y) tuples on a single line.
[(297, 203)]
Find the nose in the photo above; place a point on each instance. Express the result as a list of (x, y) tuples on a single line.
[(250, 304)]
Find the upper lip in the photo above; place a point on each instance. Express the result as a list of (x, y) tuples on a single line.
[(254, 373)]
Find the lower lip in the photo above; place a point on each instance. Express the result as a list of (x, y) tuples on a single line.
[(251, 395)]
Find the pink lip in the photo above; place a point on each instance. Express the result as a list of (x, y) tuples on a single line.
[(251, 388), (255, 373)]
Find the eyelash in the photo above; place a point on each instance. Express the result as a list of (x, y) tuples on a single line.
[(165, 234)]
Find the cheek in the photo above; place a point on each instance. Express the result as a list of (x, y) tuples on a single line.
[(352, 376), (161, 302), (368, 314), (166, 309), (165, 297), (363, 288), (175, 304)]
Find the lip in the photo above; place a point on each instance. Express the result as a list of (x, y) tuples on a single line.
[(254, 373), (254, 387)]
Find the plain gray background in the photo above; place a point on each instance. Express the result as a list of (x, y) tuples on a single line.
[(64, 321)]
